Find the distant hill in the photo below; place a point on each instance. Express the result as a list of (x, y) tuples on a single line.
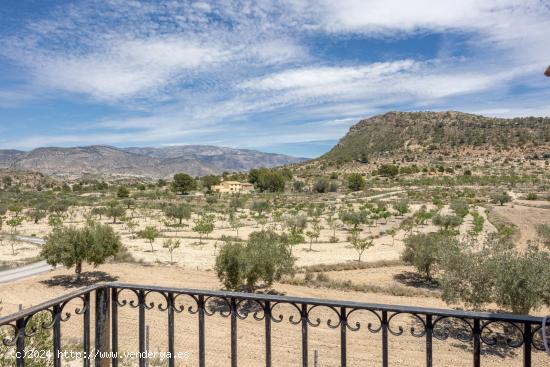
[(99, 160), (413, 136)]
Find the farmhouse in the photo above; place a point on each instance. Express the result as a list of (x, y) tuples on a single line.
[(233, 186)]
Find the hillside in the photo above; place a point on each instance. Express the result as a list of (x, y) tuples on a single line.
[(416, 136), (139, 162)]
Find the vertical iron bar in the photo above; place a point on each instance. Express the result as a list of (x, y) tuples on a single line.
[(20, 346), (56, 336), (304, 336), (527, 340), (343, 339), (142, 351), (147, 349), (233, 333), (477, 343), (429, 340), (102, 327), (114, 326), (171, 348), (384, 338), (267, 320), (200, 304), (86, 330)]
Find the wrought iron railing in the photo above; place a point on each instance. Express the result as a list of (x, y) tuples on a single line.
[(478, 329)]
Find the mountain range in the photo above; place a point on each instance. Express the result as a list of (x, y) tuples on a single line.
[(101, 160)]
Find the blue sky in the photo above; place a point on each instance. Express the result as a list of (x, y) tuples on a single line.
[(279, 76)]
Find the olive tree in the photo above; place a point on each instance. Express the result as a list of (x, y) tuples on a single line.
[(264, 257), (179, 212), (425, 250), (518, 281), (115, 210), (501, 198), (71, 246)]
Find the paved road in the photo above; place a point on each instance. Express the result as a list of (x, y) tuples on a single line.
[(24, 271)]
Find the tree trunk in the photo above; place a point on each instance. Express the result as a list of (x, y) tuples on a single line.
[(78, 269)]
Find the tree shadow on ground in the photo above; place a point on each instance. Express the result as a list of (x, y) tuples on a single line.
[(415, 280), (85, 279)]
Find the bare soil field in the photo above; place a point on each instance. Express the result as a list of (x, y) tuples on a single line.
[(195, 253), (526, 218)]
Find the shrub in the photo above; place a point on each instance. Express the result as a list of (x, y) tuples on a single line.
[(321, 185), (298, 185), (402, 206), (122, 192), (388, 170), (532, 196), (543, 232), (356, 182), (460, 207), (40, 341)]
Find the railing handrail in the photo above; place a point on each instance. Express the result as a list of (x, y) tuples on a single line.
[(281, 299), (50, 303)]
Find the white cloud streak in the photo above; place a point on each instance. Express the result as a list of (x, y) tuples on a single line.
[(209, 66)]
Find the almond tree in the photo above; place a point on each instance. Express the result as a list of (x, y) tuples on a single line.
[(171, 244), (314, 233), (204, 225), (361, 245), (235, 222), (150, 233), (334, 223)]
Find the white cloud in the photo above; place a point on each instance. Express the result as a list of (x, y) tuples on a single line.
[(126, 68), (406, 80)]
